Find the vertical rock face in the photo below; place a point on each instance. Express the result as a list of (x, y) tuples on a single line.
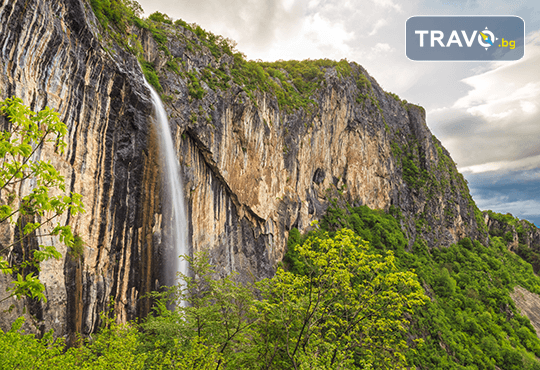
[(252, 170), (50, 56)]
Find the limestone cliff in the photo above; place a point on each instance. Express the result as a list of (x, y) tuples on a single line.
[(254, 164), (51, 56), (254, 168)]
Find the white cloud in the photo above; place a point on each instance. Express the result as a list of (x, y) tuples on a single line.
[(501, 204), (288, 5), (437, 110), (527, 163), (295, 29), (388, 4), (493, 97), (494, 126), (378, 25), (314, 4), (529, 107), (381, 48), (316, 37), (506, 81)]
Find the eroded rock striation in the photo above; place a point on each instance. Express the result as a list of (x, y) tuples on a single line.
[(51, 56), (253, 166)]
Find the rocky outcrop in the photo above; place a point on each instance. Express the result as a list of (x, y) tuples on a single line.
[(513, 230), (529, 305), (252, 168), (520, 236)]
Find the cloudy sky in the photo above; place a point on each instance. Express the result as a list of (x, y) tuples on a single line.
[(487, 114)]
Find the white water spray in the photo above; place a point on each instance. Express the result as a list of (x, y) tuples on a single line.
[(173, 187)]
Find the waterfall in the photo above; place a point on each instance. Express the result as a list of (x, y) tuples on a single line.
[(173, 189)]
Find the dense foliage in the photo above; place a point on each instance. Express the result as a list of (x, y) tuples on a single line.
[(117, 13), (471, 322), (293, 82), (345, 298), (114, 347), (348, 307)]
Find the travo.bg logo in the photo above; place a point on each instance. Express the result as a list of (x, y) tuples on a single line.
[(485, 39), (460, 39)]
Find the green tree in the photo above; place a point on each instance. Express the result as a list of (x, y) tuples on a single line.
[(444, 284), (348, 308), (119, 12), (25, 133), (210, 311)]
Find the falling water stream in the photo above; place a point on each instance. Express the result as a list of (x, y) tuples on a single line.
[(173, 188)]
